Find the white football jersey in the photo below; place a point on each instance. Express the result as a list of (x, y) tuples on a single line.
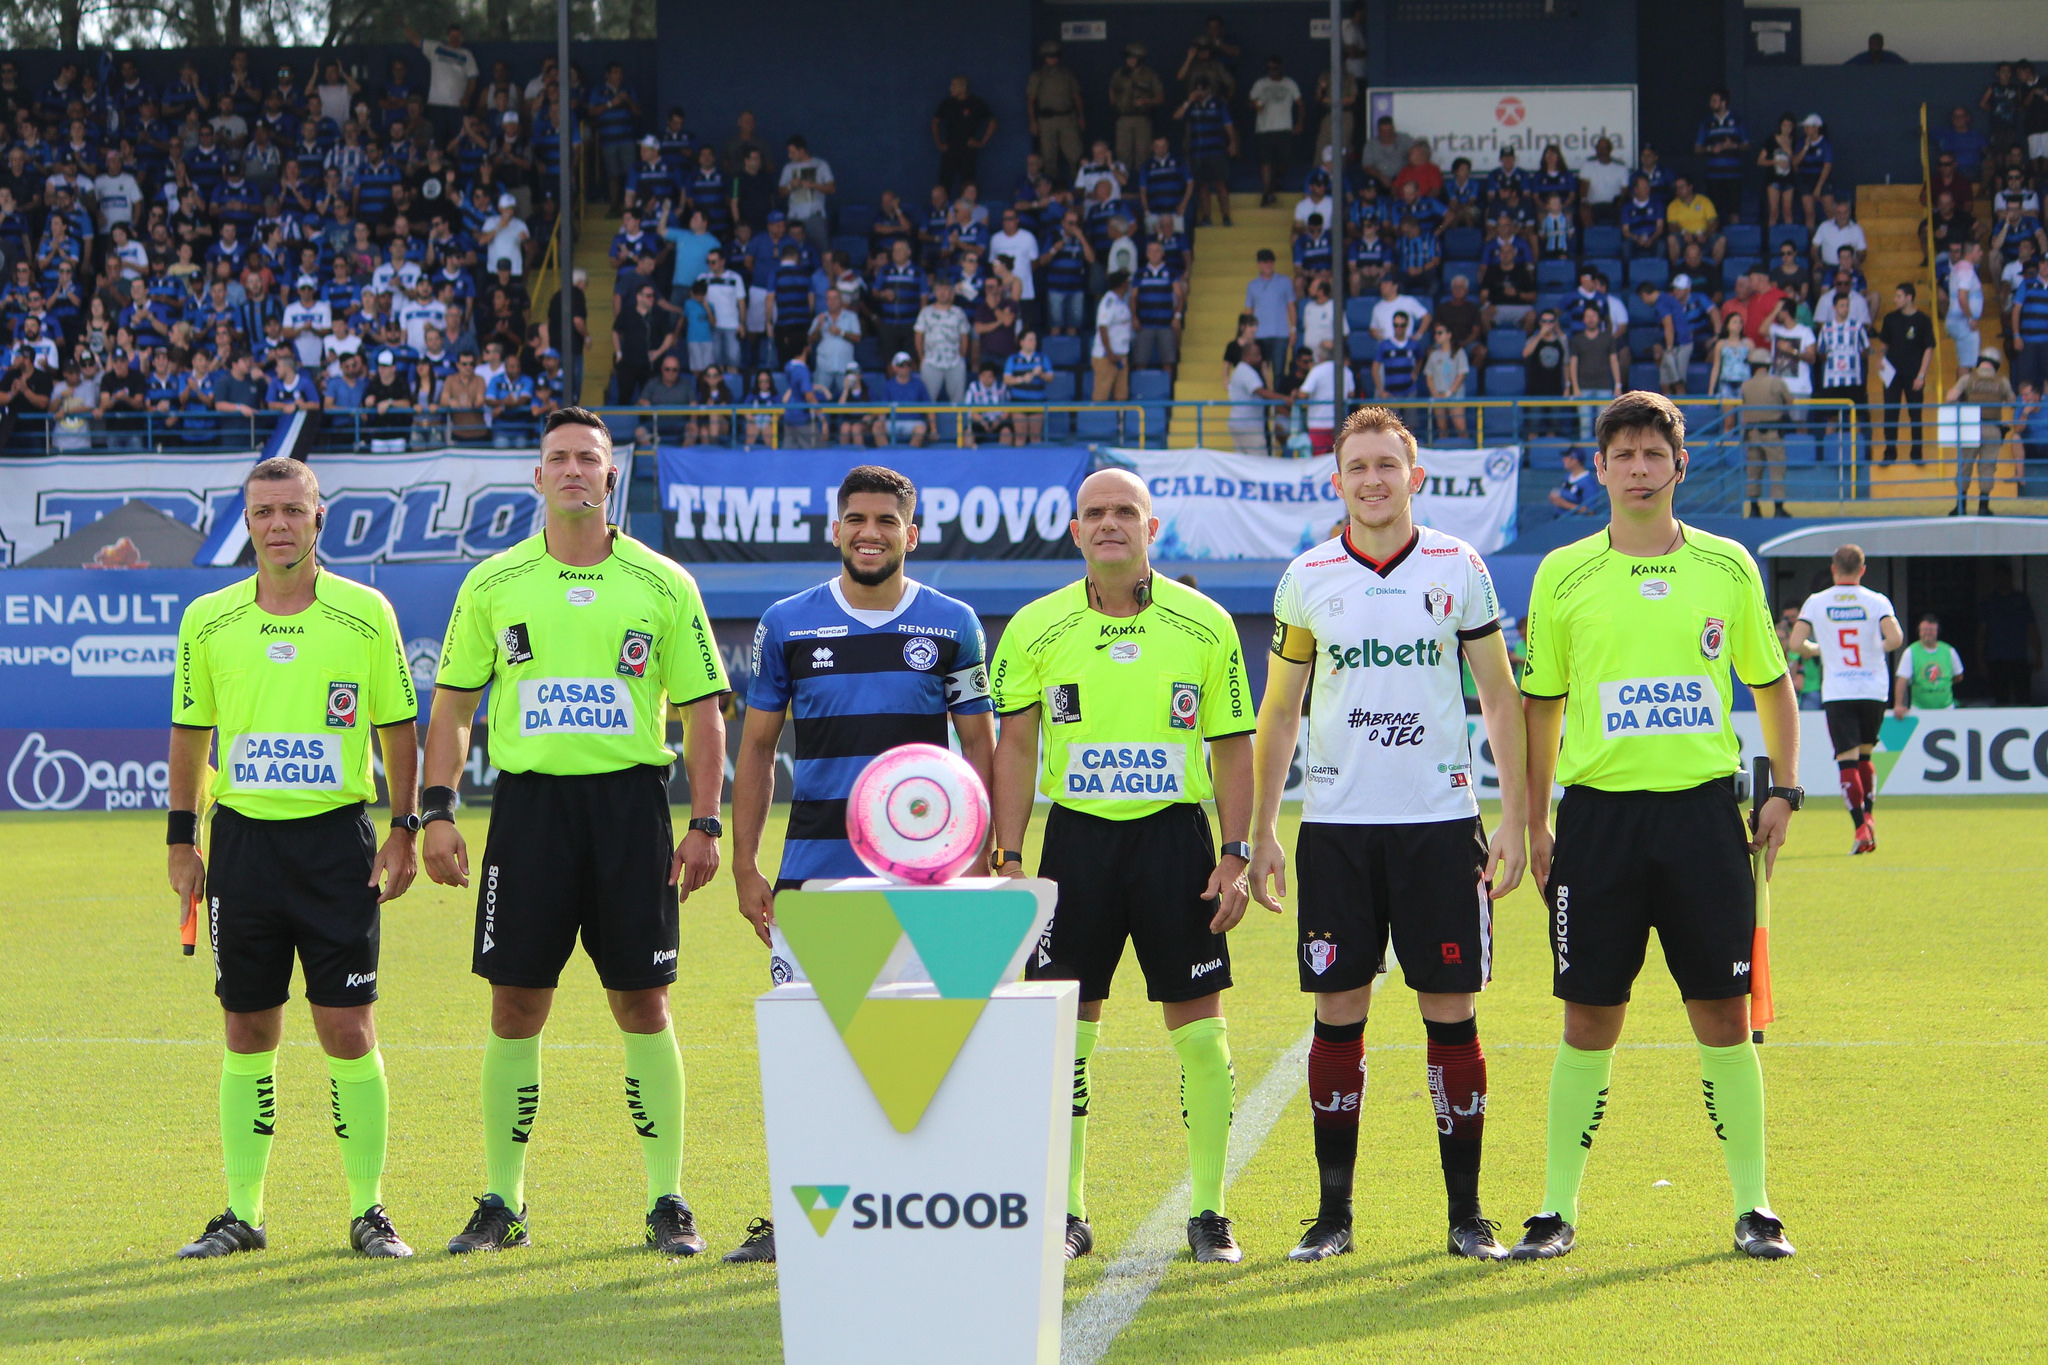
[(1844, 620), (1387, 736)]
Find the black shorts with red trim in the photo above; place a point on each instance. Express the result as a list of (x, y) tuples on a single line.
[(1422, 884), (1629, 862)]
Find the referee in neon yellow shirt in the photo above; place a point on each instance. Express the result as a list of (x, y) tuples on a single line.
[(293, 667), (588, 641), (1632, 636), (1126, 674)]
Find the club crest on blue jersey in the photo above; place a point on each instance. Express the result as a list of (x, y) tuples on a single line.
[(921, 652)]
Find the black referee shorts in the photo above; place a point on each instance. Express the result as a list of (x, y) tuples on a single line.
[(586, 853), (1629, 862), (1423, 883), (276, 888), (1854, 723), (1138, 879)]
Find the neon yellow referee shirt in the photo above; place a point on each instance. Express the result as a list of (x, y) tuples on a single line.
[(1127, 700), (582, 658), (1642, 650), (294, 697)]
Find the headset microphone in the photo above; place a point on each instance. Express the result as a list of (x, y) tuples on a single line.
[(611, 481)]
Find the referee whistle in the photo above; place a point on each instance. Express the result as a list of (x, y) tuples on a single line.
[(188, 931)]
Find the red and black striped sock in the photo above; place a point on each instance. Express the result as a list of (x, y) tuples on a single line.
[(1336, 1092), (1457, 1088), (1868, 772), (1852, 789)]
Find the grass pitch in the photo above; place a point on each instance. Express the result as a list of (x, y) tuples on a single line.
[(1907, 1075)]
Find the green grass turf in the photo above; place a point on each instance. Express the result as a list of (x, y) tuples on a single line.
[(1906, 1075)]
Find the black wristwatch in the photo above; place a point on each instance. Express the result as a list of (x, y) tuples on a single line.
[(998, 858), (409, 823), (708, 824), (1795, 797), (1238, 849)]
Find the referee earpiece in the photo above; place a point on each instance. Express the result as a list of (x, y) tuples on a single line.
[(611, 481), (319, 520)]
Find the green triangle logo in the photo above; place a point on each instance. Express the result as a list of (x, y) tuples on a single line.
[(965, 938), (843, 939), (906, 1047), (820, 1203), (1892, 737)]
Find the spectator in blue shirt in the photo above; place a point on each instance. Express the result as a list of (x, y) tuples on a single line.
[(1212, 142), (1270, 299), (906, 387), (1500, 181), (1163, 184), (617, 115), (1964, 143), (510, 396), (1574, 497), (649, 183), (1311, 254), (1814, 167), (1721, 141), (693, 247), (1397, 363), (1642, 221)]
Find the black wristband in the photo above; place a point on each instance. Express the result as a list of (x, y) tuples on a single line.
[(184, 828), (437, 803)]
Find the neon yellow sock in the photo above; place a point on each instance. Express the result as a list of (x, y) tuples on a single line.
[(1085, 1036), (362, 1124), (1733, 1079), (248, 1120), (654, 1100), (1208, 1093), (1578, 1102), (511, 1086)]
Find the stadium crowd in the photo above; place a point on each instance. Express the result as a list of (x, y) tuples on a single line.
[(184, 258)]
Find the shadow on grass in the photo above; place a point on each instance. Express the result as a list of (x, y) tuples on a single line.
[(1361, 1297), (596, 1304)]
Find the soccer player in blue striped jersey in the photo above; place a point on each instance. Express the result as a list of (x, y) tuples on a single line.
[(867, 661)]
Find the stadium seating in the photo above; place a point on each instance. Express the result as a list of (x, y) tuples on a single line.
[(1153, 384), (1653, 269), (1602, 240), (1504, 343), (1555, 275), (1358, 313), (1794, 233), (1505, 381), (1063, 352), (1744, 240), (856, 220), (1643, 375), (1642, 338), (1610, 266), (1361, 347), (1463, 243)]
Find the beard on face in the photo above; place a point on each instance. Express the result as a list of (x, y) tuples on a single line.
[(875, 577)]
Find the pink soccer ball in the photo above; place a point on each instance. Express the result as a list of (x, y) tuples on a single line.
[(917, 813)]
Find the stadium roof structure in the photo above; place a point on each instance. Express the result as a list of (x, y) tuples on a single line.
[(1916, 537)]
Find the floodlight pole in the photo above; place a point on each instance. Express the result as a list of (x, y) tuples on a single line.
[(1340, 359), (565, 133)]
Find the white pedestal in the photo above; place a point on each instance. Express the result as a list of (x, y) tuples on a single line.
[(940, 1244)]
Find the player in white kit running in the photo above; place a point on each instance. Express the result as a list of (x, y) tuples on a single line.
[(1391, 839), (1851, 629)]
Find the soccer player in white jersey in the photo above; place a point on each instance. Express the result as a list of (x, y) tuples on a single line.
[(1391, 838), (1850, 629)]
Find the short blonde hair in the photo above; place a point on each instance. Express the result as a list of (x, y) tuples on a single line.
[(1367, 421)]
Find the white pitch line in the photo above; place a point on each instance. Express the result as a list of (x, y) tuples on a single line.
[(1092, 1328)]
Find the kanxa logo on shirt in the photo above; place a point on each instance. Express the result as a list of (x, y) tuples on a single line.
[(517, 644), (341, 705), (1187, 700), (633, 652), (1063, 703)]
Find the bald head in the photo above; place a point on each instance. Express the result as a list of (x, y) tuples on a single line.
[(1116, 486)]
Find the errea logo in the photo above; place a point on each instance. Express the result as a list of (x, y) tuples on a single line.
[(821, 657)]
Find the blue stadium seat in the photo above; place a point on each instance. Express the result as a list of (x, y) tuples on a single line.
[(871, 380), (1641, 339), (1744, 240), (1550, 298), (854, 248), (735, 385), (1643, 375), (1610, 266), (1463, 243), (1602, 240), (856, 219), (1795, 233), (867, 353), (1654, 269), (1101, 426), (1469, 269), (1699, 379), (1503, 343), (1063, 352), (1505, 381), (1358, 313), (1151, 384), (1557, 274), (1361, 346), (1060, 388)]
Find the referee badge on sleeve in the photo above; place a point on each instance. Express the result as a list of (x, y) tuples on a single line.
[(1187, 701), (341, 705), (633, 652), (1711, 637)]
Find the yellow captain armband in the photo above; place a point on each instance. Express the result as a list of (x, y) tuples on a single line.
[(1294, 644)]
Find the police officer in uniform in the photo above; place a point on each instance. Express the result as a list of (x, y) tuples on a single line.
[(1052, 98), (1135, 90)]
